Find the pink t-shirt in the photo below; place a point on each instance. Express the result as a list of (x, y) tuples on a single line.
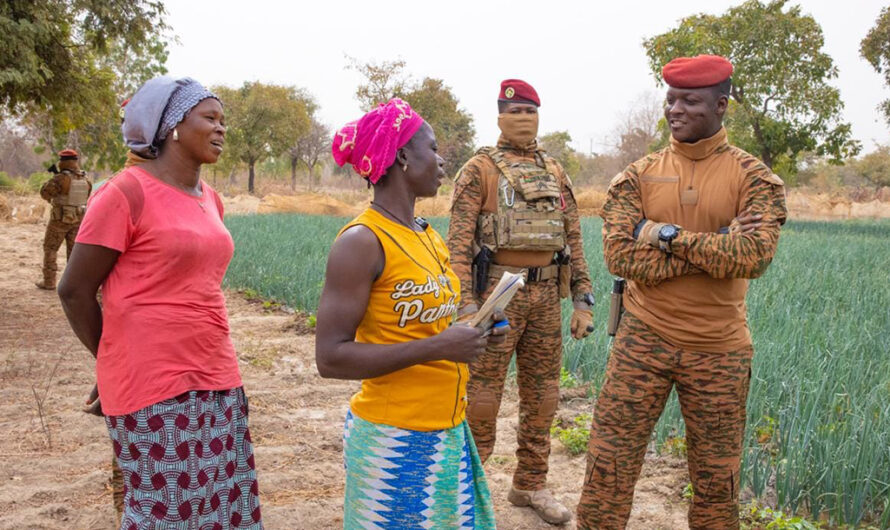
[(165, 328)]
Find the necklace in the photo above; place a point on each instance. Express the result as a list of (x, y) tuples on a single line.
[(431, 250)]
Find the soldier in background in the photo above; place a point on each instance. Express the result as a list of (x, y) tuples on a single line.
[(67, 192), (513, 210), (688, 226)]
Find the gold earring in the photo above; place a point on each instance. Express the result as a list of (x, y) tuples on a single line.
[(405, 167), (175, 135)]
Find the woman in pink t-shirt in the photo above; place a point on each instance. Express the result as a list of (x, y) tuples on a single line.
[(154, 240)]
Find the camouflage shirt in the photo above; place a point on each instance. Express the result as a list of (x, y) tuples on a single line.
[(695, 296)]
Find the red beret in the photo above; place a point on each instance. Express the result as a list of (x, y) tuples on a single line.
[(696, 72), (518, 91), (68, 154)]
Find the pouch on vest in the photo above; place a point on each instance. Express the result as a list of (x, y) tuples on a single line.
[(529, 216), (73, 205)]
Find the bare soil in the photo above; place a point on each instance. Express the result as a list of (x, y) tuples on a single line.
[(55, 461)]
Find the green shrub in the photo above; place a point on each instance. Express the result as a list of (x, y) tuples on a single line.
[(574, 437), (36, 180), (7, 183)]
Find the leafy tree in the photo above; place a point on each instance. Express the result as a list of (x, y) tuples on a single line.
[(94, 128), (65, 66), (262, 120), (431, 98), (783, 102), (453, 126), (557, 145), (875, 167), (49, 48), (875, 48)]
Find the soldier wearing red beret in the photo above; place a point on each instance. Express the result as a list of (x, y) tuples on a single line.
[(67, 192), (688, 227), (513, 210)]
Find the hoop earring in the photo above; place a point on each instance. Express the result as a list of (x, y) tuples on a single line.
[(405, 167), (175, 135)]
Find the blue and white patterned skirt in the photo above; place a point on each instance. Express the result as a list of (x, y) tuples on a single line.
[(401, 479)]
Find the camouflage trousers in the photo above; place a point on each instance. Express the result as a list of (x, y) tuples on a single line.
[(713, 391), (57, 232), (536, 337)]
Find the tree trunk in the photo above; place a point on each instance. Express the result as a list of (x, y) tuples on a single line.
[(309, 176), (250, 176), (312, 170), (293, 174), (232, 180), (765, 155)]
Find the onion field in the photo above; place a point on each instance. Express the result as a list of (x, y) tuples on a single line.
[(818, 434)]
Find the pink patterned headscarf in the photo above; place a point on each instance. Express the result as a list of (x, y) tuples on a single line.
[(371, 143)]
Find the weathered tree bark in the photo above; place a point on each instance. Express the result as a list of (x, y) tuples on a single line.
[(293, 173), (250, 175)]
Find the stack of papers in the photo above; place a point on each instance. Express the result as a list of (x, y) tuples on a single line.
[(498, 300)]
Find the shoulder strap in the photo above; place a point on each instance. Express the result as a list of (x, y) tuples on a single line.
[(552, 166), (497, 156), (129, 186)]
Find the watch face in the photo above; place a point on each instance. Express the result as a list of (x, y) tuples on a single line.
[(667, 232)]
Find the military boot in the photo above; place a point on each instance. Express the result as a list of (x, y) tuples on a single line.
[(48, 282), (542, 501)]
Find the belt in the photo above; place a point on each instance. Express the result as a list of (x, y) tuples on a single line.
[(532, 274)]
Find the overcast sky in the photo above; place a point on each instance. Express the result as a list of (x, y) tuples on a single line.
[(585, 58)]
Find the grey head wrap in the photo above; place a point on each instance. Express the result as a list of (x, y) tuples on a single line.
[(156, 108)]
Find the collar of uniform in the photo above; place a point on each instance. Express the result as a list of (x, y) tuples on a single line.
[(700, 149), (528, 150)]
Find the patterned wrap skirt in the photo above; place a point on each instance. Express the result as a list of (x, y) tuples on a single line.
[(187, 463), (401, 479)]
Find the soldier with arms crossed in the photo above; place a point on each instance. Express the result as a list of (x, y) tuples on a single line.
[(687, 226)]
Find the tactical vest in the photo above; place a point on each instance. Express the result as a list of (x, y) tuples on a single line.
[(70, 207), (531, 209)]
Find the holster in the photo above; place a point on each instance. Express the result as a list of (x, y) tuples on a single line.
[(481, 264), (616, 306), (564, 260)]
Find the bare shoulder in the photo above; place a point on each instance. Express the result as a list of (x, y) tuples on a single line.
[(356, 251)]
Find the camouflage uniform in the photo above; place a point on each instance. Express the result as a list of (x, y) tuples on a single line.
[(534, 316), (712, 379), (64, 219)]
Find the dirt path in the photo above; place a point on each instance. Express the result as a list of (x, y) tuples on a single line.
[(55, 460)]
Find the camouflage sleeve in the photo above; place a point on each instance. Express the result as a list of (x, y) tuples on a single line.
[(466, 204), (625, 256), (741, 255), (580, 283), (51, 188)]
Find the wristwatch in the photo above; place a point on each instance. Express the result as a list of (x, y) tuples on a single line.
[(587, 298), (666, 235)]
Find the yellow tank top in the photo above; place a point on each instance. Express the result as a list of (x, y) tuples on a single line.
[(415, 297)]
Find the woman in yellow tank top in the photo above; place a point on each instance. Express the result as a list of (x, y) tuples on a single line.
[(386, 316)]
